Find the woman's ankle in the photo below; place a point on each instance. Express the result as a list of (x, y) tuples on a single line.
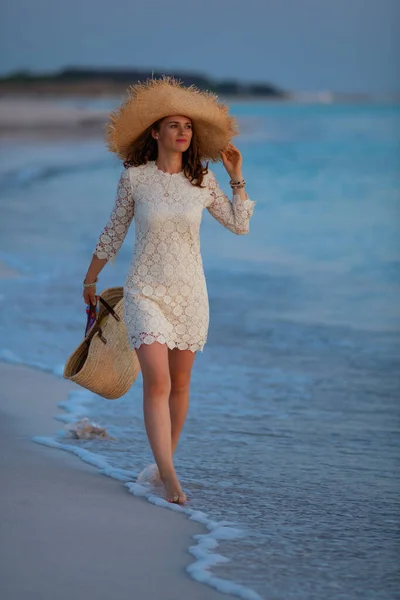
[(166, 474)]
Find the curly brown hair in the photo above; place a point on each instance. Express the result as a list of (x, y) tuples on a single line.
[(145, 148)]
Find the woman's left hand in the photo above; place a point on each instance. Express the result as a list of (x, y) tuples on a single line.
[(232, 160)]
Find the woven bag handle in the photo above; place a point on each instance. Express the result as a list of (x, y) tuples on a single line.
[(96, 325), (109, 308)]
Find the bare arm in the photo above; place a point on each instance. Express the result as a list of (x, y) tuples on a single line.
[(95, 267)]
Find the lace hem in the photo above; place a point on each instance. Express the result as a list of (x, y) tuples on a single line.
[(150, 338)]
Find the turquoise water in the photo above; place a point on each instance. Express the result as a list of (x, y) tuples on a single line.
[(292, 432)]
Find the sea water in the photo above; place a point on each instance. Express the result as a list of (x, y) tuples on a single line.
[(291, 445)]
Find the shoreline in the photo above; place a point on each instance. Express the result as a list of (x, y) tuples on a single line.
[(48, 119), (29, 116), (52, 500)]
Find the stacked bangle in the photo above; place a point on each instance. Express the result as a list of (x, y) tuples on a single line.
[(90, 284), (237, 184)]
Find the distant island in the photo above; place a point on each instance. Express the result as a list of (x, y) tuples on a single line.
[(108, 82), (104, 82)]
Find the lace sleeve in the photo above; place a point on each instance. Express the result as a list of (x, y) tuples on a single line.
[(114, 233), (234, 215)]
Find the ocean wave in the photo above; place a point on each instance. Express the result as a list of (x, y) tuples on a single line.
[(22, 177)]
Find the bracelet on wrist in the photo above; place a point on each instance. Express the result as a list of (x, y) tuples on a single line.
[(90, 284), (237, 184)]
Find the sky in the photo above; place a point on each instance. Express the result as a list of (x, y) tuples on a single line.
[(299, 45)]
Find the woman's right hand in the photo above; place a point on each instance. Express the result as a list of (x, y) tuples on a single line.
[(89, 295)]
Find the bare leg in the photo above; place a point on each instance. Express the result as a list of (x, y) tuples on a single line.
[(153, 360), (180, 368)]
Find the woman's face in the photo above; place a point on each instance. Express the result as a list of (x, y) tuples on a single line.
[(175, 133)]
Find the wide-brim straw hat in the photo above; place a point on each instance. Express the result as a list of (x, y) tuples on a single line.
[(104, 363), (154, 99)]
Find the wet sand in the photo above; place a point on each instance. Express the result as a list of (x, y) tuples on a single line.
[(68, 531)]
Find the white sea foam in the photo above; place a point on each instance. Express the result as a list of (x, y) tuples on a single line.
[(8, 356), (76, 406), (93, 459), (203, 551)]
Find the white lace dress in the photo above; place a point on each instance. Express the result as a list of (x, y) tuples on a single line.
[(165, 292)]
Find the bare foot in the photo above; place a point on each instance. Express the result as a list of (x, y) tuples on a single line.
[(173, 490), (150, 475)]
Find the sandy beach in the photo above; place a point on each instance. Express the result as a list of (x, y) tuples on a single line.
[(48, 119), (45, 119), (67, 530)]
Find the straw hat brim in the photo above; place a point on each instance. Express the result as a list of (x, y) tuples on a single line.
[(155, 99)]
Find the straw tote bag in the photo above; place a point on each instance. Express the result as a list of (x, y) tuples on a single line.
[(104, 363)]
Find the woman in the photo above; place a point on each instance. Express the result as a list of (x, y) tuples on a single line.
[(163, 132)]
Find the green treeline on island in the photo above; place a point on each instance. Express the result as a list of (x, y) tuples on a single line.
[(76, 80)]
